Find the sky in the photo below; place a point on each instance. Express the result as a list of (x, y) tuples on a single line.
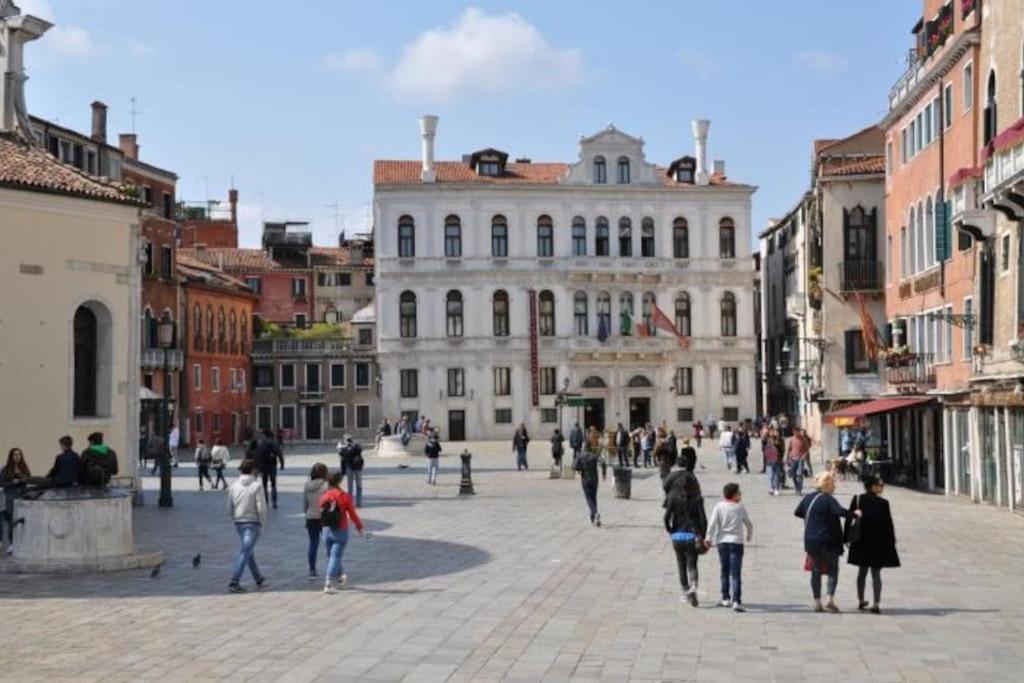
[(293, 101)]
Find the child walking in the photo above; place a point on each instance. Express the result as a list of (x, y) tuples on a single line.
[(725, 530)]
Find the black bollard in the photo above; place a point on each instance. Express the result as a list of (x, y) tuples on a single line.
[(466, 485)]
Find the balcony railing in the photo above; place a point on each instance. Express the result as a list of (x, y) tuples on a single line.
[(911, 369), (300, 347), (311, 393), (860, 276), (153, 359)]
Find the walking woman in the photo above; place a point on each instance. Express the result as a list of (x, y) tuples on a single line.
[(875, 546), (313, 491), (823, 538), (687, 526), (557, 448), (797, 456), (336, 509), (772, 455), (13, 477)]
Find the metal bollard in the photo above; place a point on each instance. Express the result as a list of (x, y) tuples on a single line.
[(466, 485)]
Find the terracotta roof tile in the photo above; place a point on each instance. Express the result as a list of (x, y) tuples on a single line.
[(25, 167), (820, 145), (196, 270), (258, 260), (336, 256), (861, 165)]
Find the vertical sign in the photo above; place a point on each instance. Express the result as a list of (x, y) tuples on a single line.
[(534, 360)]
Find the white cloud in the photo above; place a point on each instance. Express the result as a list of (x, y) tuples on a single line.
[(701, 63), (37, 8), (140, 49), (482, 54), (63, 41), (821, 63), (358, 60)]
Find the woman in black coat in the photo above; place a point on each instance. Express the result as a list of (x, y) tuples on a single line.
[(687, 526), (876, 547)]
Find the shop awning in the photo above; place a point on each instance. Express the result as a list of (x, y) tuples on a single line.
[(851, 414)]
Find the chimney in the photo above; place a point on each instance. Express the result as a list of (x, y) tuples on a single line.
[(233, 200), (700, 141), (99, 122), (16, 29), (719, 166), (428, 127), (130, 145)]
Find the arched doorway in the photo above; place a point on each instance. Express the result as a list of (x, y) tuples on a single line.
[(639, 406)]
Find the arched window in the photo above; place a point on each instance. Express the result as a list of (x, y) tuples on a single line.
[(680, 238), (728, 315), (579, 314), (499, 237), (683, 313), (501, 314), (637, 381), (209, 329), (407, 315), (222, 330), (648, 303), (903, 252), (149, 336), (626, 314), (406, 237), (579, 236), (86, 329), (197, 328), (600, 171), (546, 314), (233, 330), (922, 245), (647, 237), (453, 313), (452, 237), (602, 239), (604, 315), (545, 237), (726, 239), (593, 382), (991, 119), (623, 167), (912, 242), (625, 237)]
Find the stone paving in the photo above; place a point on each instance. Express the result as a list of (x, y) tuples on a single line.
[(514, 584)]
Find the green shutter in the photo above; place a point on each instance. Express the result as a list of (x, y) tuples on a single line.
[(943, 231)]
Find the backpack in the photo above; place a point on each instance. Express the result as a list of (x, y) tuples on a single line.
[(330, 514), (357, 462), (96, 469)]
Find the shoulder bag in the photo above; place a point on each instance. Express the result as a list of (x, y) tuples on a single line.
[(808, 561), (854, 527)]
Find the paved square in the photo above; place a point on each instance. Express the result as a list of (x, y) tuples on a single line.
[(514, 584)]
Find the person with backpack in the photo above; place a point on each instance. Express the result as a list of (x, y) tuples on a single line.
[(220, 455), (687, 526), (433, 453), (268, 454), (203, 461), (99, 462), (246, 505), (313, 491), (352, 466), (587, 465), (728, 520), (336, 509)]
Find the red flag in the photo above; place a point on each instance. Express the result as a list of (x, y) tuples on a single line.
[(642, 331), (664, 322), (872, 339)]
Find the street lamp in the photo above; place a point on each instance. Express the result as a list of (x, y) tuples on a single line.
[(165, 338)]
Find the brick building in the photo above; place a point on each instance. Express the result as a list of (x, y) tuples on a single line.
[(217, 334), (342, 280), (209, 224)]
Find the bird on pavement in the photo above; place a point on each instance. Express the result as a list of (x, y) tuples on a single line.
[(196, 560), (156, 571)]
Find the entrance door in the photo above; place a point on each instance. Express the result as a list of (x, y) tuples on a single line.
[(593, 413), (456, 425), (313, 432), (639, 412)]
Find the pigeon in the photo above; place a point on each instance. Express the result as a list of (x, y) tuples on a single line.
[(196, 560), (156, 571), (403, 467)]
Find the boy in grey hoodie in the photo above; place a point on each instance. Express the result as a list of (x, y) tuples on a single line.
[(725, 529), (248, 510)]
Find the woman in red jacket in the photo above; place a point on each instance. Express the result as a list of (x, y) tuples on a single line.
[(335, 510)]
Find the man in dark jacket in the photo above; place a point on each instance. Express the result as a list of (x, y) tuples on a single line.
[(352, 466), (268, 454), (586, 465), (622, 445), (575, 440), (519, 443), (99, 462), (67, 467)]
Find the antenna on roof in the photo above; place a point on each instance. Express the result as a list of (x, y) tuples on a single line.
[(134, 112)]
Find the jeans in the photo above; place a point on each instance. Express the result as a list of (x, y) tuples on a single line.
[(774, 476), (314, 527), (623, 454), (355, 486), (730, 455), (796, 471), (249, 533), (219, 471), (647, 457), (686, 560), (590, 493), (521, 463), (335, 539), (829, 561), (730, 555), (204, 471), (432, 470), (271, 492), (876, 583)]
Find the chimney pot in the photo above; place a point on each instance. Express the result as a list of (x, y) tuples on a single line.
[(233, 200), (99, 122), (129, 143), (719, 167), (428, 129), (700, 139)]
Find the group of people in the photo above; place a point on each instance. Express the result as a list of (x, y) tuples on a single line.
[(782, 456), (656, 446), (404, 428)]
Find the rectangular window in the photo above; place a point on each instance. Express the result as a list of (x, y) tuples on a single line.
[(363, 417), (406, 240), (548, 383), (365, 337), (241, 380), (549, 415), (197, 377), (503, 416), (499, 240), (216, 423), (857, 360), (287, 376), (369, 279), (362, 375), (968, 87), (147, 268), (264, 417), (888, 158), (684, 414), (255, 284), (300, 321), (684, 381), (969, 324), (456, 382), (197, 420), (730, 381), (337, 375), (545, 241), (166, 263), (409, 380), (215, 379), (338, 417), (232, 380), (503, 382), (903, 146), (343, 279), (263, 376), (168, 206), (731, 414), (287, 417), (147, 196), (927, 124), (299, 288)]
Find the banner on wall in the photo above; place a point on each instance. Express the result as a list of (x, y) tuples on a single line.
[(534, 353)]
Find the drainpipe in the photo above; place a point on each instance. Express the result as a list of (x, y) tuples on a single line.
[(942, 185)]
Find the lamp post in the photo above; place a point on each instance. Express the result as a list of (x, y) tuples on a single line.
[(165, 337)]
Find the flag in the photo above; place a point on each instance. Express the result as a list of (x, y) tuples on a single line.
[(664, 322), (872, 339), (642, 330), (602, 329)]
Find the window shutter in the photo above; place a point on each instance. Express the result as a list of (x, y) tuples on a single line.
[(849, 350), (941, 235)]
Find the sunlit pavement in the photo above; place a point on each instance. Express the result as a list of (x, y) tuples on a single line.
[(514, 583)]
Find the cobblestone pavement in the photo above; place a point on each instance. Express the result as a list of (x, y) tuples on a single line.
[(514, 584)]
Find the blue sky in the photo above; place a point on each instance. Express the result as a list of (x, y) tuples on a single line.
[(295, 100)]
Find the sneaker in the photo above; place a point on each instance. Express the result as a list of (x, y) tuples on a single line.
[(832, 607), (875, 609), (685, 597), (818, 607), (261, 582), (693, 598), (343, 581), (329, 588), (312, 575), (862, 605), (235, 588), (597, 521), (725, 603), (737, 607)]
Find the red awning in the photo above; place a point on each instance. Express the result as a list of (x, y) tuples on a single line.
[(851, 414)]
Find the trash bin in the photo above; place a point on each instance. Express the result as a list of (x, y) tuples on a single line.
[(623, 481)]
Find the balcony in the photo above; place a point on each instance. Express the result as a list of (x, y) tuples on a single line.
[(1004, 171), (271, 348), (153, 359), (311, 393), (965, 212), (859, 276), (911, 372)]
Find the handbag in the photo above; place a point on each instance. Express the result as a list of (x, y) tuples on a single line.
[(808, 560), (854, 529)]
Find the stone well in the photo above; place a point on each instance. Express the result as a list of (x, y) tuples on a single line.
[(391, 446)]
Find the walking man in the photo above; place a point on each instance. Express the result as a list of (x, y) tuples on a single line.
[(726, 443), (622, 445), (725, 530), (586, 465), (575, 440), (352, 466), (519, 443), (203, 460), (433, 452), (248, 511), (268, 454)]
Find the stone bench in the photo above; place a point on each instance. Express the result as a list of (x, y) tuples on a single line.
[(391, 446)]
